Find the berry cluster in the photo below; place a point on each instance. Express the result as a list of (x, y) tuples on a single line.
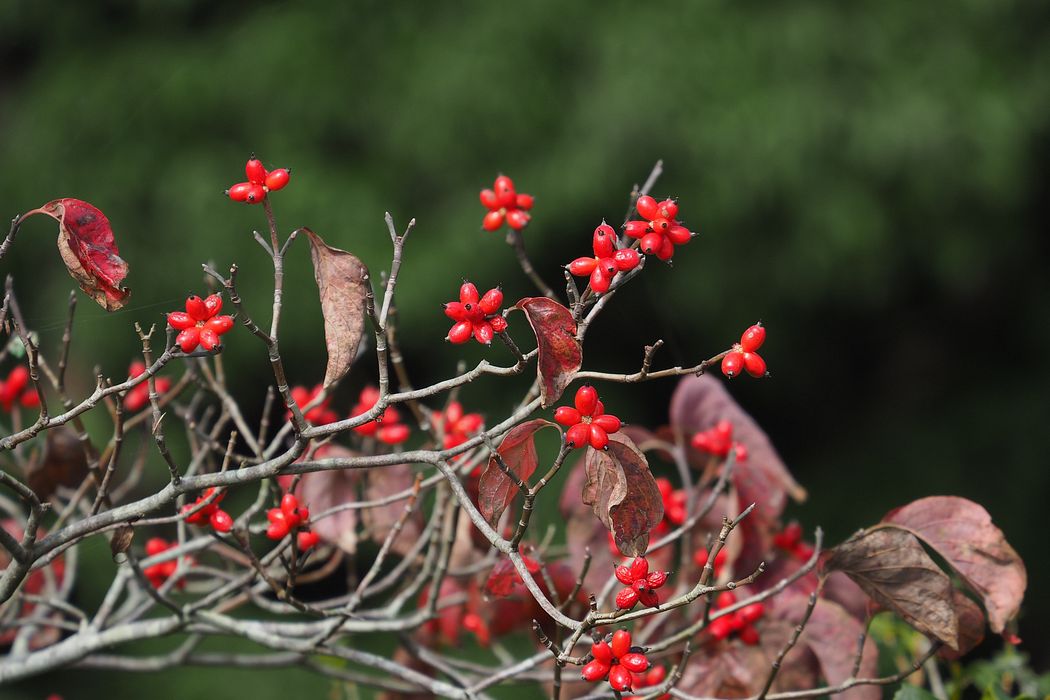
[(137, 398), (219, 519), (701, 556), (674, 503), (16, 389), (320, 414), (504, 204), (456, 426), (718, 441), (260, 181), (743, 355), (640, 584), (616, 660), (790, 540), (388, 429), (200, 324), (289, 517), (159, 573), (650, 679), (475, 315), (587, 423), (660, 232), (607, 260), (739, 621)]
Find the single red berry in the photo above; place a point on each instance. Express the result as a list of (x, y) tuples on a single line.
[(489, 200), (649, 598), (256, 193), (254, 171), (461, 332), (598, 437), (753, 338), (749, 635), (647, 207), (492, 301), (493, 220), (620, 678), (751, 613), (725, 599), (636, 229), (289, 504), (156, 545), (239, 192), (621, 643), (608, 423), (732, 363), (567, 415), (524, 201), (626, 259), (307, 540), (517, 219), (586, 400), (624, 575), (668, 209), (196, 308), (583, 266), (652, 243), (754, 364), (635, 662), (277, 179), (393, 434), (626, 599), (578, 435), (595, 671), (639, 568), (721, 627), (602, 652), (656, 579), (221, 521), (505, 193)]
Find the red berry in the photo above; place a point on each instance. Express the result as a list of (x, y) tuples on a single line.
[(307, 540), (180, 320), (483, 333), (156, 545), (649, 598), (721, 627), (626, 259), (732, 363), (626, 599), (505, 194), (567, 416), (196, 308), (725, 598), (651, 243), (524, 201), (602, 652), (586, 400), (620, 678), (256, 194), (754, 364), (393, 434), (621, 643), (679, 235), (189, 339), (498, 323), (647, 207), (460, 332), (668, 209), (289, 504), (751, 613), (749, 635), (600, 280), (660, 225), (239, 192), (635, 662), (493, 220), (468, 294), (753, 338), (213, 304), (517, 219), (595, 671), (277, 179), (608, 423), (578, 435), (219, 324), (636, 229), (582, 266), (221, 521), (666, 250), (604, 241), (492, 301), (656, 579), (639, 568), (208, 339), (489, 199), (254, 171), (598, 437), (624, 575)]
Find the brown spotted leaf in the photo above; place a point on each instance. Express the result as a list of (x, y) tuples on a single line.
[(962, 532), (496, 490), (89, 250), (893, 568), (560, 355), (623, 494), (64, 463), (342, 280)]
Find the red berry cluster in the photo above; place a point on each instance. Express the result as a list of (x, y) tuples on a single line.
[(641, 584), (660, 232), (743, 355), (219, 519), (701, 556), (650, 679), (739, 621), (718, 441), (607, 260), (260, 181), (137, 398), (16, 389), (320, 414), (457, 426), (159, 573), (389, 429), (587, 423), (475, 315), (289, 517), (504, 204), (790, 540), (616, 660), (200, 324), (674, 503)]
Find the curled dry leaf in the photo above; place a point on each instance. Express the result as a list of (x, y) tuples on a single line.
[(893, 568), (560, 355), (342, 280), (962, 532), (89, 250), (971, 626), (496, 490), (64, 463), (623, 494), (121, 541)]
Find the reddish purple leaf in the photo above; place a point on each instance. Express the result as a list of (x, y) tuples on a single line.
[(893, 568), (698, 404), (496, 490), (962, 532), (623, 494), (323, 490), (504, 579), (89, 250), (342, 280), (387, 481), (971, 626), (560, 355)]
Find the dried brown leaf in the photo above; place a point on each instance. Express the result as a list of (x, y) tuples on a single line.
[(64, 463), (496, 490), (121, 542), (381, 482), (342, 280), (560, 355)]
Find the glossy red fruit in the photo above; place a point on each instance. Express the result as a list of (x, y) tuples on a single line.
[(753, 338), (493, 220), (751, 613), (578, 435), (393, 434), (749, 635), (221, 521), (733, 363), (620, 678), (679, 235), (636, 229), (307, 540), (483, 333), (498, 323), (598, 438), (255, 171), (660, 225), (219, 324), (621, 643), (208, 339), (583, 266), (595, 671), (277, 179), (656, 579), (586, 400), (626, 259), (188, 340), (517, 219), (196, 308), (626, 599), (624, 575), (524, 201), (239, 192), (647, 207), (492, 301), (289, 504), (461, 332), (567, 415), (504, 188), (720, 627), (604, 241), (635, 662), (754, 364), (468, 294), (256, 194), (668, 209), (639, 568), (489, 199), (156, 545), (277, 531), (651, 243), (601, 651), (610, 424)]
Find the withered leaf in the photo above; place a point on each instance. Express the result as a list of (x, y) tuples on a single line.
[(64, 463), (380, 520), (321, 491), (831, 634), (623, 494), (893, 568), (962, 532), (121, 541), (89, 250), (496, 490), (560, 355), (342, 280)]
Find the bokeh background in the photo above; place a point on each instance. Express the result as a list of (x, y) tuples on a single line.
[(869, 179)]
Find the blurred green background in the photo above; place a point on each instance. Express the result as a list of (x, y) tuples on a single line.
[(869, 179)]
